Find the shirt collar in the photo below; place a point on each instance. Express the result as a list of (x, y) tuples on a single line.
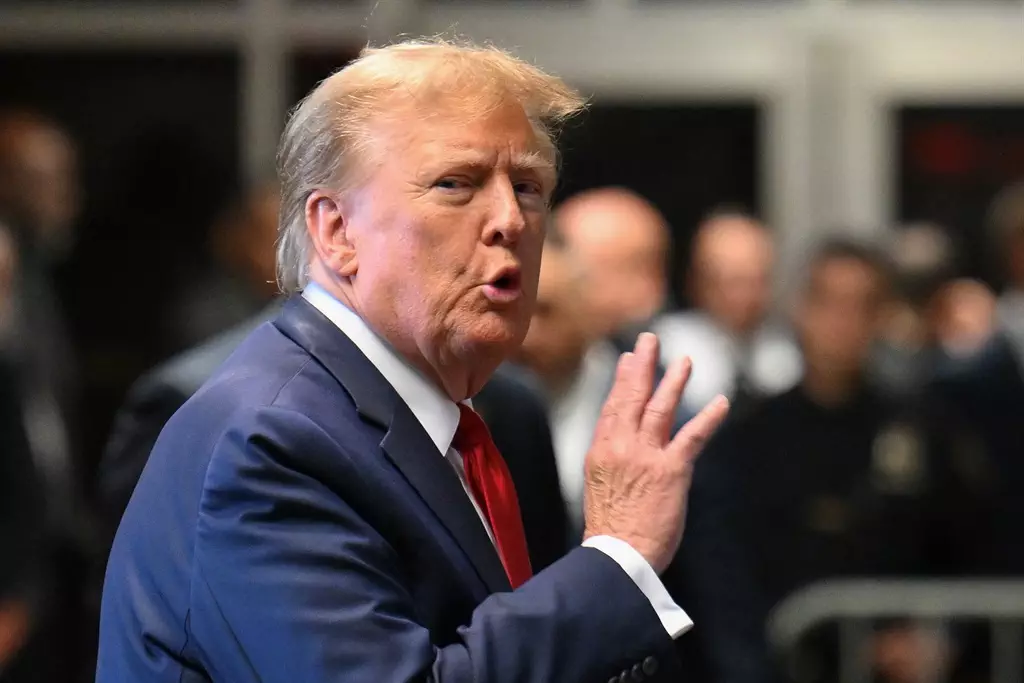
[(438, 414)]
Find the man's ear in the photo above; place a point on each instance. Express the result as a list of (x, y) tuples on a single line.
[(328, 229)]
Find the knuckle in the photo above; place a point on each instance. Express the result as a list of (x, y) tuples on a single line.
[(659, 411), (609, 414), (695, 439), (682, 467)]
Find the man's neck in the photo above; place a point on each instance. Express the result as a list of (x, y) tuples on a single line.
[(448, 374), (830, 390), (558, 383)]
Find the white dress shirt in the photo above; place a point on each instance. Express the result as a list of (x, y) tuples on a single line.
[(439, 416), (574, 415), (772, 360), (1010, 317)]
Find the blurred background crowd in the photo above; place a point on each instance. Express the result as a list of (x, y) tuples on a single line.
[(820, 202)]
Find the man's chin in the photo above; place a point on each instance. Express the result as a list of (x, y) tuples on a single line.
[(494, 333)]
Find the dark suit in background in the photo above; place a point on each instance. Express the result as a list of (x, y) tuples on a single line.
[(508, 403), (22, 528)]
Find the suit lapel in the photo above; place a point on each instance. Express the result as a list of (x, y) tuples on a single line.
[(406, 443), (412, 451)]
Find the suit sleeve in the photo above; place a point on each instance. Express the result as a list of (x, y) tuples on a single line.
[(292, 583)]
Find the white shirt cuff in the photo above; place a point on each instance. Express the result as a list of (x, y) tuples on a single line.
[(672, 616)]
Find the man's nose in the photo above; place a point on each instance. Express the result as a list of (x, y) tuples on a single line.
[(506, 222)]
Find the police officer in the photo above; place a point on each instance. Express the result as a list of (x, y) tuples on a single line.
[(837, 479)]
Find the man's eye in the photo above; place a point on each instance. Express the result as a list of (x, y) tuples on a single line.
[(451, 184), (528, 188)]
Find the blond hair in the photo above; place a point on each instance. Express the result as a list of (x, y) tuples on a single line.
[(328, 132)]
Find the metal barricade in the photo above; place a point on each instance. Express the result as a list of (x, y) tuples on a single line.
[(854, 604)]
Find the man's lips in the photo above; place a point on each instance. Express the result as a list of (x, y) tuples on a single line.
[(505, 287)]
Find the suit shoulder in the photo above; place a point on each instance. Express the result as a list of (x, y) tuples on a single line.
[(266, 374)]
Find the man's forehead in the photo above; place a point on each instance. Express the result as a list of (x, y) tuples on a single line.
[(445, 127)]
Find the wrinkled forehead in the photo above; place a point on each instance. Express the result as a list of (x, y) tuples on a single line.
[(453, 122)]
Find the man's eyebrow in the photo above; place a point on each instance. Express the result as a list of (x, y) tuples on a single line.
[(533, 161)]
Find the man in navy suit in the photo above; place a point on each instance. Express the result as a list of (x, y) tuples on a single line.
[(329, 506), (509, 403)]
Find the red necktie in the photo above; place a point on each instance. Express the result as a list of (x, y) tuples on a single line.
[(492, 486)]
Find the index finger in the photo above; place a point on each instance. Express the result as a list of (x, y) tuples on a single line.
[(633, 381)]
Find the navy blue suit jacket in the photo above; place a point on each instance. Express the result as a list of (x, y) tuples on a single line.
[(295, 523)]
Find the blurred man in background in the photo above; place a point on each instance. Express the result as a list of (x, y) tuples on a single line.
[(39, 186), (238, 280), (737, 351), (39, 205), (576, 366), (565, 349), (948, 347), (923, 261), (1007, 238), (837, 479), (621, 240), (23, 652), (38, 208)]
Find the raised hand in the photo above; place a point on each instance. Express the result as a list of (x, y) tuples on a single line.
[(637, 473)]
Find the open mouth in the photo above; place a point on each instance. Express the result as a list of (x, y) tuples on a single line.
[(507, 281), (506, 287)]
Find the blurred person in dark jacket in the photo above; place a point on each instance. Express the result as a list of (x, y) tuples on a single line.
[(1006, 228), (923, 260), (38, 207), (508, 403), (237, 279), (24, 652), (576, 365), (22, 518), (950, 349), (839, 480), (737, 348), (977, 387)]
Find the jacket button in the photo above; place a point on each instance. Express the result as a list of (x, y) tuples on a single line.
[(624, 677), (650, 666), (613, 679), (638, 673)]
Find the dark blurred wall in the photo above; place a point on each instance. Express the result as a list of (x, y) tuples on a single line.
[(952, 161), (158, 141)]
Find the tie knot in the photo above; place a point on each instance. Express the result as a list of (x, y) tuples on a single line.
[(471, 431)]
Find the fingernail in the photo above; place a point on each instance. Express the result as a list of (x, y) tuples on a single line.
[(644, 341)]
